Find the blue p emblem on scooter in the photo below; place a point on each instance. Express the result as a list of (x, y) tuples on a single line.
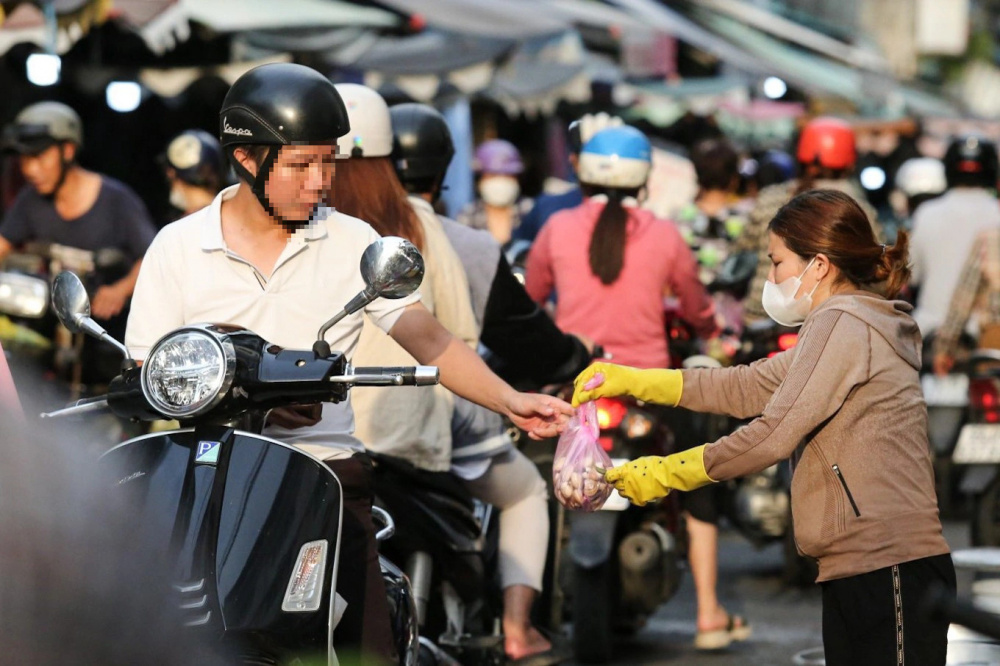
[(208, 453)]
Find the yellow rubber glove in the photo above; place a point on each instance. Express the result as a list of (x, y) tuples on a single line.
[(653, 477), (662, 387)]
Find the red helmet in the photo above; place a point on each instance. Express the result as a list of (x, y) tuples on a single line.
[(828, 142)]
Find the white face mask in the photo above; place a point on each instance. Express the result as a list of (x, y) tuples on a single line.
[(499, 190), (780, 303), (178, 198)]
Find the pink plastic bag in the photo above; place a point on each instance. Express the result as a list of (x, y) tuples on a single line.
[(578, 470)]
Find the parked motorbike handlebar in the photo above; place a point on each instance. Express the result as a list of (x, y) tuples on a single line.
[(418, 375), (79, 407)]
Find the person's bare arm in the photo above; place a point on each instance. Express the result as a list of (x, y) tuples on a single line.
[(5, 248), (464, 373), (110, 299)]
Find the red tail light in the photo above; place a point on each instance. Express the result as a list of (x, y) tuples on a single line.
[(610, 413), (983, 394), (787, 340)]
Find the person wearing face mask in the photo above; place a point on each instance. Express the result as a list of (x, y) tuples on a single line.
[(195, 167), (846, 407), (826, 157), (499, 208)]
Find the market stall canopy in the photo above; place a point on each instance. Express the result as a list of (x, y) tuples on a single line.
[(163, 23), (757, 52), (316, 17), (510, 19), (529, 76), (22, 21)]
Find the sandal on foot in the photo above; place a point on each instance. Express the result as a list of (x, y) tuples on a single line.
[(736, 630)]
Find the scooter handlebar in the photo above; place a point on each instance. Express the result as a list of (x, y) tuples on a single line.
[(418, 375)]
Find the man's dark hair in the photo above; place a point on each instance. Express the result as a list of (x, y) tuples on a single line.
[(716, 163)]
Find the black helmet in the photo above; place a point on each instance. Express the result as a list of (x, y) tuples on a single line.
[(279, 104), (196, 158), (421, 146), (971, 161), (40, 126)]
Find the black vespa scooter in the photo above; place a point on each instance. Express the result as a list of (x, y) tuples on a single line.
[(251, 525)]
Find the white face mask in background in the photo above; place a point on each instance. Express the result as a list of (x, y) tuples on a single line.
[(178, 198), (499, 190), (780, 303)]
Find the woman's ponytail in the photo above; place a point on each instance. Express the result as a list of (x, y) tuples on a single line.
[(894, 265), (607, 244)]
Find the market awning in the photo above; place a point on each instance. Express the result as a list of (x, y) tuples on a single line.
[(287, 20), (528, 76), (509, 19), (27, 22)]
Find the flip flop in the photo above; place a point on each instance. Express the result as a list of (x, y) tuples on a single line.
[(719, 639), (556, 655)]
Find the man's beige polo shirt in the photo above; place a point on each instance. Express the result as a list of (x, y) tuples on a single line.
[(189, 276)]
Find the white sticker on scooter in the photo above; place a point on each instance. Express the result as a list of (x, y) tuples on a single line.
[(208, 453)]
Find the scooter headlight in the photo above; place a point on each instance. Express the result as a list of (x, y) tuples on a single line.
[(188, 371)]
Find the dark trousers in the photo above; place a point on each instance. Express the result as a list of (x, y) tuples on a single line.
[(364, 634), (874, 619)]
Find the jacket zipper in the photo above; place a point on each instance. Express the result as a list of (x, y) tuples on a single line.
[(843, 482)]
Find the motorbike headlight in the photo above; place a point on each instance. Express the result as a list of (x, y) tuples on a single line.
[(23, 295), (188, 371)]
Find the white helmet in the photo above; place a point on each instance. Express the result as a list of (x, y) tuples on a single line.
[(921, 175), (371, 127)]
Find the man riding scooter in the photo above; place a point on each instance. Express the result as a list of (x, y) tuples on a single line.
[(81, 215), (264, 255)]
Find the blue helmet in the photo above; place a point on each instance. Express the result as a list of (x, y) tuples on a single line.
[(617, 157)]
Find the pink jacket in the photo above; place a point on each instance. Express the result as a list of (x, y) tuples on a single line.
[(627, 316), (8, 394)]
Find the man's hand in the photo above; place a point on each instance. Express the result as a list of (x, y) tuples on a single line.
[(541, 416), (108, 301), (943, 363), (298, 416)]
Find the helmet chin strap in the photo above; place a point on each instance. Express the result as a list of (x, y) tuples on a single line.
[(64, 167), (258, 185)]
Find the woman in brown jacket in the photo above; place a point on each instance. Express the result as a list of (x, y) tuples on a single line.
[(845, 406)]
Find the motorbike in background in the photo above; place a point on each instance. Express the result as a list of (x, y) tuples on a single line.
[(621, 563), (978, 447), (447, 543), (250, 525)]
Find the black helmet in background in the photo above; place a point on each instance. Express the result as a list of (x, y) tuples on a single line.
[(196, 157), (279, 104), (421, 147), (971, 161)]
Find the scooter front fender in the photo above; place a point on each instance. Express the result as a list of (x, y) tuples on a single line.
[(592, 536)]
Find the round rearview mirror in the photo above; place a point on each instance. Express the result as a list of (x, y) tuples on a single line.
[(70, 301), (392, 267)]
